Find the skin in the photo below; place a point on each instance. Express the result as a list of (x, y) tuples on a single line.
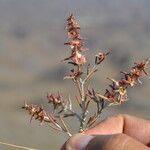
[(121, 132)]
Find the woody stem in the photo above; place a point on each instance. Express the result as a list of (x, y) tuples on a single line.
[(84, 113)]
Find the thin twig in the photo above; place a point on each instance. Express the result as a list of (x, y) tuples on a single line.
[(17, 146), (79, 103), (65, 127), (55, 128), (79, 87), (77, 115), (96, 117), (91, 73)]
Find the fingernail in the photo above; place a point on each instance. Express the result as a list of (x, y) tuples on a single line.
[(80, 141)]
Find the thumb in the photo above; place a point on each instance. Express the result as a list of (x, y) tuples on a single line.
[(103, 142), (115, 142)]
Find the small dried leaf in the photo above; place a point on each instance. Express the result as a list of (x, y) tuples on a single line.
[(103, 97), (91, 120)]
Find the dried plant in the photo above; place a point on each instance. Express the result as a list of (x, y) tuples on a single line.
[(81, 74)]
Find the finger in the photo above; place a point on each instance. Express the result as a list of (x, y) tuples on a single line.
[(110, 125), (132, 126), (115, 142), (103, 142), (77, 142)]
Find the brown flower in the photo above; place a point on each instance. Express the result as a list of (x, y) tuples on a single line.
[(100, 57), (79, 59), (141, 67), (74, 74), (75, 44), (73, 27), (56, 100), (108, 96)]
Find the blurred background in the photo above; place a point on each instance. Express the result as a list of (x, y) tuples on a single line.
[(32, 33)]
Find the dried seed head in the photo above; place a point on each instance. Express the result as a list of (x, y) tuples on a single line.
[(75, 42), (73, 28), (118, 93), (37, 112)]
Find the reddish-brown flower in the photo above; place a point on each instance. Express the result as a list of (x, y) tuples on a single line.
[(79, 59), (37, 112), (74, 74), (56, 100), (75, 44), (141, 67), (100, 57)]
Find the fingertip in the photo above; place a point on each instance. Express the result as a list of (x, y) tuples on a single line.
[(77, 142), (111, 125)]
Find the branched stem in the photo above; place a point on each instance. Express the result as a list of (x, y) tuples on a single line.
[(90, 74), (83, 104), (77, 115), (116, 93)]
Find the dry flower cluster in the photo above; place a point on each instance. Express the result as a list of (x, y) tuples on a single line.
[(81, 73)]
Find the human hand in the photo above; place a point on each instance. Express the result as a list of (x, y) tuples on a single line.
[(120, 132)]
